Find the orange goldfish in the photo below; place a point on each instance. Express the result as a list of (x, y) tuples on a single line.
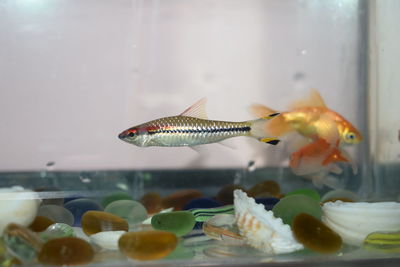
[(312, 119), (324, 132)]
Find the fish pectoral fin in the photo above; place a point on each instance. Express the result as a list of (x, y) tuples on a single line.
[(197, 110), (270, 140)]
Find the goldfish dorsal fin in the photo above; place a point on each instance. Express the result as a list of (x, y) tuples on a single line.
[(313, 100), (197, 110)]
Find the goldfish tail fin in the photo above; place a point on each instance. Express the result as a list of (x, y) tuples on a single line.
[(258, 129), (277, 127)]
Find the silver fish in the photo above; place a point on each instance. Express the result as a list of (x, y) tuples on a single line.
[(192, 128)]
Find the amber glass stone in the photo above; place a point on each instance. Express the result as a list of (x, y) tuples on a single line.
[(66, 251), (265, 189), (152, 202), (225, 194), (315, 235), (147, 245), (40, 224), (100, 221), (178, 199)]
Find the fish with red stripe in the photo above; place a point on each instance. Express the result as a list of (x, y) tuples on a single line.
[(192, 128)]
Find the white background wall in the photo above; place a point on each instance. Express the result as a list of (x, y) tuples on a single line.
[(74, 73)]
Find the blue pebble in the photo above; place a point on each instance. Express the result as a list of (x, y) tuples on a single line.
[(268, 202), (202, 203), (79, 206)]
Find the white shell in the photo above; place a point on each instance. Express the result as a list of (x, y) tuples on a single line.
[(107, 239), (353, 221), (260, 228), (17, 205)]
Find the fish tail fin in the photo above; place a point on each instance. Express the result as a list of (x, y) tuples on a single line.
[(277, 127), (258, 129)]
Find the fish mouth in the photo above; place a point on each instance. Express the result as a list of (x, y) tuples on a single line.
[(122, 135)]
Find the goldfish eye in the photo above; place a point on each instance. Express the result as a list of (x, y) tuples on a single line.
[(351, 136)]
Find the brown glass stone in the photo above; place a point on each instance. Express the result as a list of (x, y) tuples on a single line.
[(315, 235), (152, 202), (147, 245), (99, 221), (66, 251), (225, 194), (178, 199), (265, 189), (40, 224)]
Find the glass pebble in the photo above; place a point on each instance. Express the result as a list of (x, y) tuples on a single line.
[(268, 202), (114, 197), (50, 195), (79, 206), (388, 242), (340, 194), (177, 222), (179, 199), (57, 230), (202, 203), (306, 192), (267, 188), (223, 227), (66, 251), (288, 207), (100, 221), (152, 202), (225, 194), (40, 223), (131, 211), (147, 245), (21, 242), (17, 205), (107, 240), (56, 213), (315, 235)]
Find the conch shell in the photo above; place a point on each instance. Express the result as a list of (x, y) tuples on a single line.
[(353, 221), (260, 228)]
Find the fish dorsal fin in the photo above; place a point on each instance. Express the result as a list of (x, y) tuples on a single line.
[(197, 110), (314, 100)]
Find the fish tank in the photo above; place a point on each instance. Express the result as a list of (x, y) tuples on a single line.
[(199, 133)]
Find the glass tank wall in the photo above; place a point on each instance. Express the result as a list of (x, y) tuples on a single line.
[(76, 74)]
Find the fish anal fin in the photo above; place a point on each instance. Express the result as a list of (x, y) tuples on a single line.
[(334, 156), (197, 110), (314, 99)]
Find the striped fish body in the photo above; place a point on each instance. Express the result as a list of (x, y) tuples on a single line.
[(186, 131), (192, 128)]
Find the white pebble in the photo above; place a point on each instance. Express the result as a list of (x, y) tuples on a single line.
[(107, 239), (17, 205)]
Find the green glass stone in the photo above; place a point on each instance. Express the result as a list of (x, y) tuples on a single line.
[(21, 242), (288, 207), (306, 192), (178, 222), (132, 211), (57, 230), (114, 197), (6, 259), (388, 242)]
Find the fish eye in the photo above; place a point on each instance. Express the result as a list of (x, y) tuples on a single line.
[(351, 136), (131, 134)]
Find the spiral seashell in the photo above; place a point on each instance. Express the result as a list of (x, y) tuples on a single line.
[(260, 228), (353, 221)]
